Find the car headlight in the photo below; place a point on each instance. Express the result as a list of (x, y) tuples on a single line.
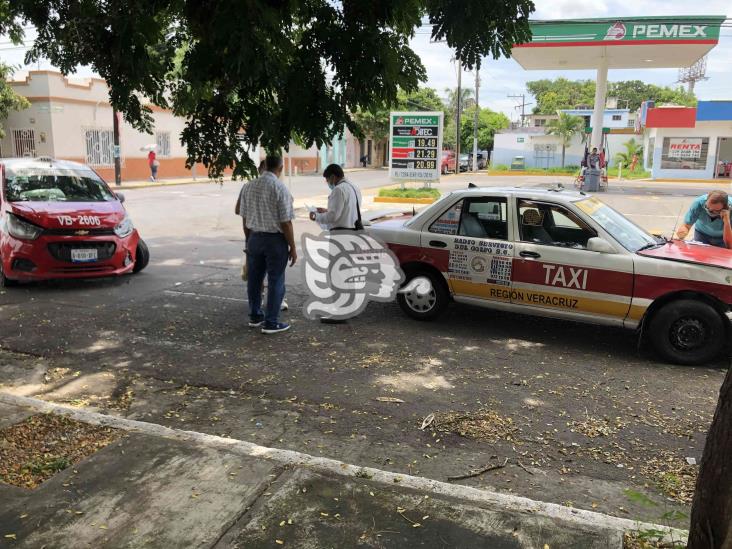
[(23, 230), (124, 228)]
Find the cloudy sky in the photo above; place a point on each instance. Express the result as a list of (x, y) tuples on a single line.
[(506, 77)]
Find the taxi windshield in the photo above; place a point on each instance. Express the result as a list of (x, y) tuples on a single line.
[(627, 233), (52, 184)]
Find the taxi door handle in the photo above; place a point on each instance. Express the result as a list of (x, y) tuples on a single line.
[(438, 244), (532, 255)]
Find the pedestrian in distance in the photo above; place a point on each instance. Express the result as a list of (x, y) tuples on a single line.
[(267, 212), (709, 214), (154, 164)]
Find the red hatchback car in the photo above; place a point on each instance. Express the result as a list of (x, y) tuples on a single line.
[(59, 219)]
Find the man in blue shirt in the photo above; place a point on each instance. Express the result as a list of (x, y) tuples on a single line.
[(709, 214)]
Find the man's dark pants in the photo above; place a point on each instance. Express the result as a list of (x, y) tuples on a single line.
[(706, 239), (267, 254)]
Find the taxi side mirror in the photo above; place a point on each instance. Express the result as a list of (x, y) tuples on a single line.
[(597, 244), (120, 197)]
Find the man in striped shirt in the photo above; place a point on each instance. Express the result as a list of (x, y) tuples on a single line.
[(267, 211)]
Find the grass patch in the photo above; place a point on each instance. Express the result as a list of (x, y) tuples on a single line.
[(423, 192), (34, 450), (567, 170)]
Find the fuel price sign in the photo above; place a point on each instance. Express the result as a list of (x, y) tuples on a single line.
[(414, 146)]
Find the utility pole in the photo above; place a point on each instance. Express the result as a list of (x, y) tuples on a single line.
[(457, 116), (117, 164), (522, 105), (475, 119)]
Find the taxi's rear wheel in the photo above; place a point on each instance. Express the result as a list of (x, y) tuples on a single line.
[(6, 282), (688, 332), (427, 298), (142, 256)]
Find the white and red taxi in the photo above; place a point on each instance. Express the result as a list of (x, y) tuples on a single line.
[(59, 219), (556, 253)]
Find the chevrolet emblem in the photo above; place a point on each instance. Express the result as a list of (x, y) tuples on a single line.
[(81, 233)]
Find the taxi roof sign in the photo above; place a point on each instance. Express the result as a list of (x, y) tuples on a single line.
[(634, 42)]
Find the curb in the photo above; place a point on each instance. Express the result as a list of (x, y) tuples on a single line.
[(334, 467), (124, 187)]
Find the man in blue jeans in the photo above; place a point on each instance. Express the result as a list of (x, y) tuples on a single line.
[(266, 207), (709, 215)]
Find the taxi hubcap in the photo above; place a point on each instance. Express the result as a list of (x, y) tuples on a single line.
[(688, 334), (421, 302)]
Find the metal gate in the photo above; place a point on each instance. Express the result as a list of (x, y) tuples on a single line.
[(24, 142), (544, 155)]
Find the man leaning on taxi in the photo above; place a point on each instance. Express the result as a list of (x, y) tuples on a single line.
[(709, 214)]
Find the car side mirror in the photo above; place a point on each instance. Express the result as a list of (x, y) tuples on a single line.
[(120, 197), (597, 244)]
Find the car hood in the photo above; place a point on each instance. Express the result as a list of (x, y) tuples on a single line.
[(690, 252), (71, 215)]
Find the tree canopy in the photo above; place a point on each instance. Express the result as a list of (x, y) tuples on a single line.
[(488, 123), (9, 100), (561, 93), (258, 71)]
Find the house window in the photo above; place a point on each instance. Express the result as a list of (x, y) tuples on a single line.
[(540, 122), (617, 117), (631, 122), (163, 141), (24, 142), (99, 147), (684, 153)]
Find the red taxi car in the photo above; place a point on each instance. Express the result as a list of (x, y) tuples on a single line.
[(59, 219), (566, 255)]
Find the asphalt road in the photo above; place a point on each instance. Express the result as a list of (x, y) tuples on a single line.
[(581, 413)]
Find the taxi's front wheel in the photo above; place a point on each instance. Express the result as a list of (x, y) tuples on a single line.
[(6, 282), (688, 332), (423, 295), (142, 256)]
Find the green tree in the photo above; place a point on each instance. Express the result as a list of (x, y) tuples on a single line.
[(565, 127), (488, 123), (560, 93), (632, 93), (632, 148), (259, 71), (374, 122), (9, 100), (449, 138)]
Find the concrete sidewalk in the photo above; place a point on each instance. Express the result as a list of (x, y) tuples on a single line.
[(161, 487)]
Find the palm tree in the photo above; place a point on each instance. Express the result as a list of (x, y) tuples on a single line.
[(565, 127), (632, 148)]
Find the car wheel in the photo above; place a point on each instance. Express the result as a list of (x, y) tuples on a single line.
[(420, 304), (142, 256), (6, 282), (687, 332)]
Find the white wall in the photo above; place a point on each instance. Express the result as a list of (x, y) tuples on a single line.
[(712, 130)]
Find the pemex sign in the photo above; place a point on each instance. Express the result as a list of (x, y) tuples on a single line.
[(650, 30)]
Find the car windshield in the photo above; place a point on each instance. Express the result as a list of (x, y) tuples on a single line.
[(33, 183), (627, 233)]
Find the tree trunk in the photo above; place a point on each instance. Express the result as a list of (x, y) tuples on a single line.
[(563, 149), (711, 511)]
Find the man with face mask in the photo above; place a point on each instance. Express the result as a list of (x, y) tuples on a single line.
[(709, 214), (344, 202)]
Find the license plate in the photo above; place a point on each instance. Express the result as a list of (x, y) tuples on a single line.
[(83, 256)]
